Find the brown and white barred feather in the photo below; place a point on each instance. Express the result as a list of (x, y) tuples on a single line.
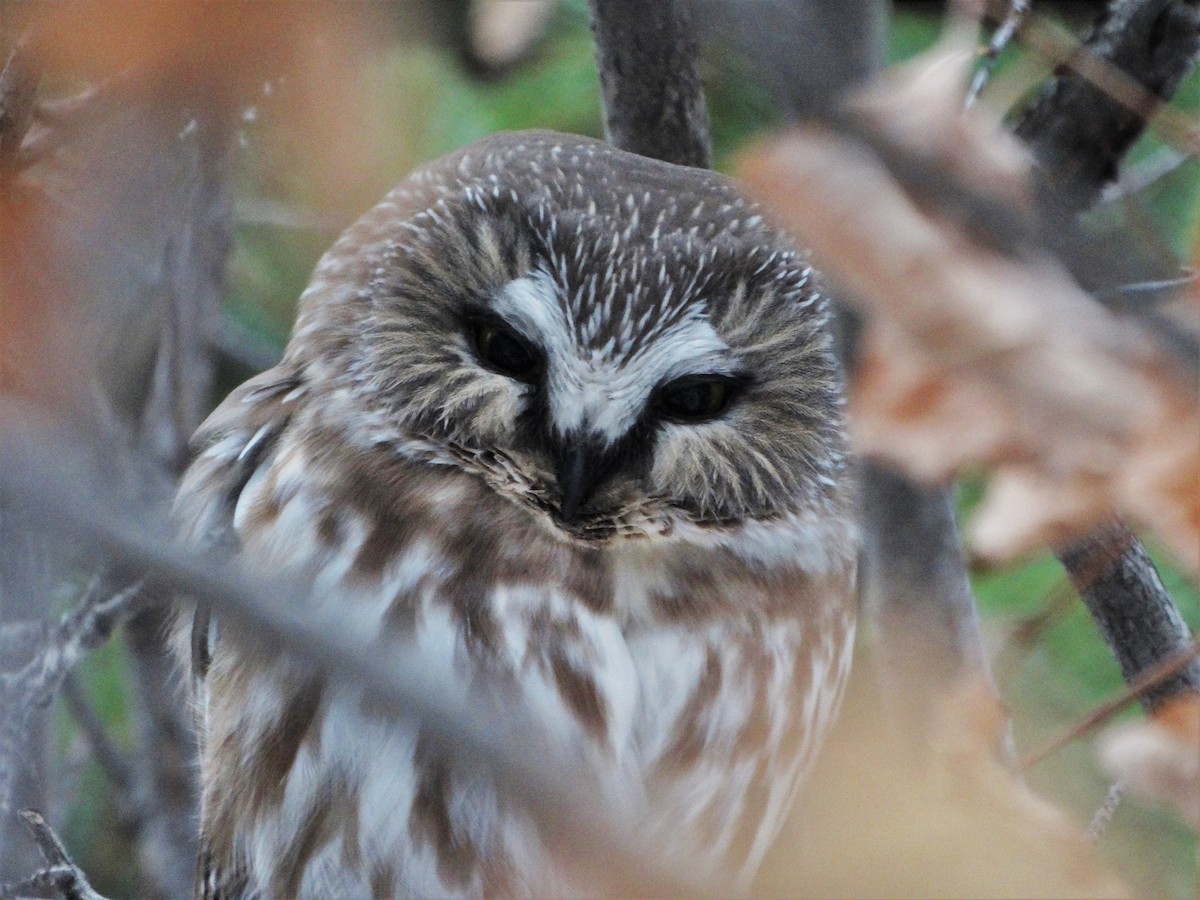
[(689, 645)]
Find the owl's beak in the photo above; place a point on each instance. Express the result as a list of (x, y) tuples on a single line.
[(582, 464)]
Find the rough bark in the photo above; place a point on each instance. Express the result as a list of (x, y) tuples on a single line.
[(1125, 595), (653, 100), (1078, 132), (1078, 135)]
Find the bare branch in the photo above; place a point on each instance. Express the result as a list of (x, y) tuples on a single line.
[(66, 877), (1079, 130), (917, 598), (1125, 595), (1078, 414), (572, 812), (653, 101), (87, 625), (1148, 681), (1001, 38)]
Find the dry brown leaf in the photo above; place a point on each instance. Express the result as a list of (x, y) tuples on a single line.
[(955, 822), (977, 358)]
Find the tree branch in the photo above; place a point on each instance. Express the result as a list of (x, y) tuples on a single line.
[(87, 625), (61, 874), (1078, 134), (653, 100), (130, 532), (1125, 595), (917, 598)]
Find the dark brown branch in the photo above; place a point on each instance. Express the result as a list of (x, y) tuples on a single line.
[(1079, 133), (653, 100), (1125, 595)]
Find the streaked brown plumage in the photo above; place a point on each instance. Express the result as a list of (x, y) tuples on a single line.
[(567, 421)]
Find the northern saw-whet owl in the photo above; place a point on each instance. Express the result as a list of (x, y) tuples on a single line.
[(570, 420)]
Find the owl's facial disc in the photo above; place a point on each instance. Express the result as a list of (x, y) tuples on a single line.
[(596, 399)]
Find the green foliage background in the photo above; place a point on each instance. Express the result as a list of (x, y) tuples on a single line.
[(429, 106)]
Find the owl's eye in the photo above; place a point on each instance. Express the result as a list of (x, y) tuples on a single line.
[(503, 351), (696, 398)]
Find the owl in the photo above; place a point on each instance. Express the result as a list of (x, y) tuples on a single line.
[(567, 421)]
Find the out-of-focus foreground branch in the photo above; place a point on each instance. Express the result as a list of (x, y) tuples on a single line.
[(115, 227), (981, 350), (129, 530), (918, 607), (1017, 364)]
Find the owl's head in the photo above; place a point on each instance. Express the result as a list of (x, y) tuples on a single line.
[(616, 343)]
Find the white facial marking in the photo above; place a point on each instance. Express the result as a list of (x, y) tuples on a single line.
[(589, 389)]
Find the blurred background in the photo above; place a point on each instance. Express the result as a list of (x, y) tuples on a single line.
[(372, 91)]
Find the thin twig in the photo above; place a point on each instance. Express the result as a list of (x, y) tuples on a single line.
[(108, 756), (1137, 178), (1161, 673), (88, 624), (1001, 38), (67, 877), (1103, 816), (1146, 291), (84, 627)]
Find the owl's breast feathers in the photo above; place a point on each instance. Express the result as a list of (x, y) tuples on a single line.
[(698, 670)]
